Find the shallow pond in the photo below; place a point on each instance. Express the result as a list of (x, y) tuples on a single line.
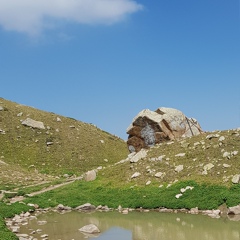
[(133, 226)]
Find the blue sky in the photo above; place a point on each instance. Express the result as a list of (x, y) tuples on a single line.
[(103, 61)]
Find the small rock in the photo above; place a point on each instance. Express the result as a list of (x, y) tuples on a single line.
[(148, 183), (136, 174), (226, 155), (226, 165), (194, 210), (44, 236), (159, 174), (59, 119), (221, 139), (179, 168), (90, 176), (234, 153), (180, 155), (178, 195), (208, 166), (86, 207), (236, 178), (183, 190), (138, 156), (210, 136), (234, 210)]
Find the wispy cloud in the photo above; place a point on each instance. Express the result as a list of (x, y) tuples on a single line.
[(33, 16)]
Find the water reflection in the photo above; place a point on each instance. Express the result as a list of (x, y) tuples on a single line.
[(134, 226)]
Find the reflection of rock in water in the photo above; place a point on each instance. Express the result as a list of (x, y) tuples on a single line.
[(144, 226)]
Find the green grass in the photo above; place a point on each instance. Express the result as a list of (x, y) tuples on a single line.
[(202, 196)]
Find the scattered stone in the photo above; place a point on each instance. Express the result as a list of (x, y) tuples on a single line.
[(234, 210), (234, 153), (44, 236), (61, 207), (20, 114), (165, 210), (236, 178), (32, 123), (160, 158), (1, 108), (148, 183), (178, 195), (226, 155), (86, 207), (138, 156), (179, 168), (159, 175), (226, 165), (136, 174), (15, 229), (208, 166), (91, 229), (183, 190), (185, 144), (90, 176), (102, 141), (59, 119), (210, 136), (196, 144), (221, 139), (194, 210), (180, 155)]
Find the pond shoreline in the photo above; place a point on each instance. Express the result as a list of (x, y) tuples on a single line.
[(14, 224)]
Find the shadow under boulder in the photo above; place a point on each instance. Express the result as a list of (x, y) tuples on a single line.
[(152, 127)]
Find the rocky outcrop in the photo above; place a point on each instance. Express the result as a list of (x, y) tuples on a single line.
[(152, 127)]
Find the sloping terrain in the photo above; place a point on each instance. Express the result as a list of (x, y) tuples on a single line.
[(65, 146), (207, 158)]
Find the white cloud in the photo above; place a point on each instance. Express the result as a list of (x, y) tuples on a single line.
[(33, 16)]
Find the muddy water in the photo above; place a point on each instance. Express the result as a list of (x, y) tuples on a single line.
[(133, 226)]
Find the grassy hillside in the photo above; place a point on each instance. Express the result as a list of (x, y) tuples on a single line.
[(207, 158), (65, 146), (31, 159)]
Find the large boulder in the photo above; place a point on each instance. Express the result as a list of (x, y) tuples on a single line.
[(33, 123), (151, 127)]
